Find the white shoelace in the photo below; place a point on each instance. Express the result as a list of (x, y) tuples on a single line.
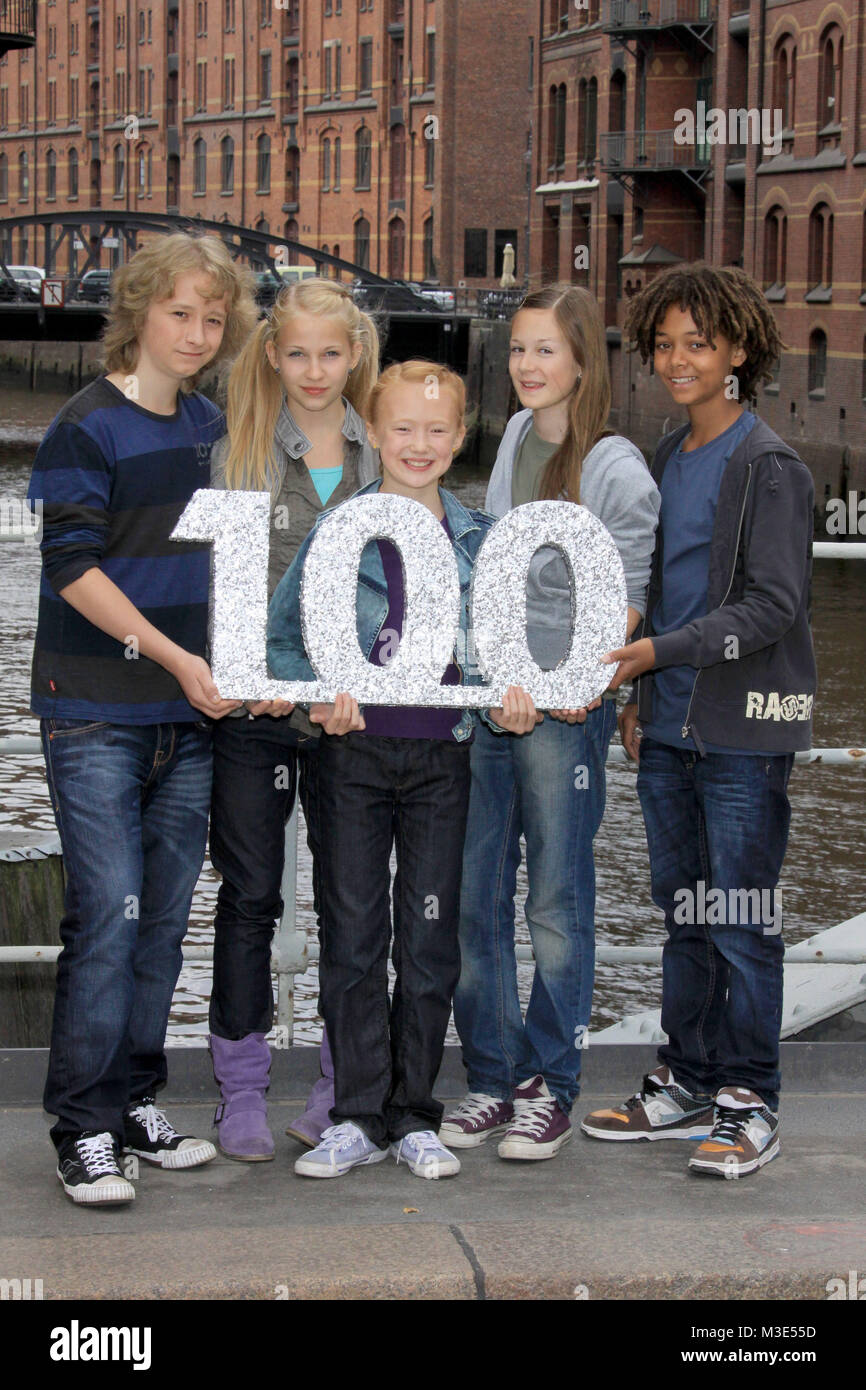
[(154, 1121), (424, 1144), (339, 1136), (97, 1155), (532, 1116), (476, 1106)]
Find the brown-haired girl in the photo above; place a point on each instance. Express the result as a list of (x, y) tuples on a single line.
[(394, 778), (549, 786), (294, 428)]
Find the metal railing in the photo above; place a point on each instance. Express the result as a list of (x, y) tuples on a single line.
[(650, 149)]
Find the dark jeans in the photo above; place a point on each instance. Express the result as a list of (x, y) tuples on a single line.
[(718, 822), (256, 765), (131, 804), (375, 793)]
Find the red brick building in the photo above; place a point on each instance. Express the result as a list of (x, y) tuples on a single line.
[(618, 170), (391, 133)]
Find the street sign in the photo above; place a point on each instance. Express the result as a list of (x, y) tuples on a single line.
[(52, 294)]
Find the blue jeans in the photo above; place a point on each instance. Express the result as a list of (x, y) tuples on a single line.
[(718, 822), (131, 805), (548, 786)]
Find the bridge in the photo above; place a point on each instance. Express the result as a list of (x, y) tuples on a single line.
[(79, 239)]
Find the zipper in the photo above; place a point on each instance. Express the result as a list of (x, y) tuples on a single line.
[(686, 729)]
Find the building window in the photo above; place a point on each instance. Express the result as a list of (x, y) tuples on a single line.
[(326, 165), (429, 161), (229, 16), (830, 78), (292, 85), (365, 67), (775, 247), (4, 179), (430, 60), (817, 360), (475, 253), (52, 102), (172, 183), (264, 79), (227, 164), (556, 128), (337, 162), (429, 262), (587, 120), (396, 248), (200, 84), (290, 232), (820, 272), (264, 13), (228, 84), (397, 183), (72, 176), (73, 99), (119, 171), (328, 73), (199, 166), (363, 157), (263, 164), (362, 243), (200, 21), (784, 80), (396, 71), (338, 68), (293, 174), (51, 175)]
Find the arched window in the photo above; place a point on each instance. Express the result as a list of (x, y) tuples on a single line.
[(119, 170), (429, 262), (172, 183), (290, 232), (326, 164), (616, 102), (263, 164), (363, 157), (199, 166), (817, 360), (588, 120), (397, 187), (784, 79), (775, 247), (73, 173), (830, 78), (292, 84), (362, 243), (51, 174), (227, 164), (293, 175), (820, 267), (396, 248), (556, 128)]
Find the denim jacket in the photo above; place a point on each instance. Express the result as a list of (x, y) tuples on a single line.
[(287, 658)]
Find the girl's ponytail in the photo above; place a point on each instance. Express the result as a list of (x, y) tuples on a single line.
[(365, 373), (255, 398)]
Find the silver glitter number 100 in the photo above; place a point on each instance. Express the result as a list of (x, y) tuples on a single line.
[(238, 524)]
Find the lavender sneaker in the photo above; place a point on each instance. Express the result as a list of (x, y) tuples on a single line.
[(425, 1155), (540, 1126), (475, 1119)]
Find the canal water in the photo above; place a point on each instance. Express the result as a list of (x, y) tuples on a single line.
[(823, 880)]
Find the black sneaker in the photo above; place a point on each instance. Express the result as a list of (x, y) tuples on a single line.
[(149, 1135), (89, 1169)]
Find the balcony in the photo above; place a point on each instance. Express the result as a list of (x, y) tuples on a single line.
[(17, 24), (692, 22), (631, 153)]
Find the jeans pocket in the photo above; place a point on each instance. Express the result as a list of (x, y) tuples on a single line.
[(66, 728)]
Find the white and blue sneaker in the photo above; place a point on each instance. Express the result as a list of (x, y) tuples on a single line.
[(425, 1155), (744, 1137), (341, 1147)]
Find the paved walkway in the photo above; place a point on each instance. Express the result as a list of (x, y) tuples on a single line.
[(599, 1221)]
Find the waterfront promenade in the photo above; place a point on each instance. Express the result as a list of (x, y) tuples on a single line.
[(600, 1222)]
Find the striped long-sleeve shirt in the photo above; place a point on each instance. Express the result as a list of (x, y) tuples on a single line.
[(112, 479)]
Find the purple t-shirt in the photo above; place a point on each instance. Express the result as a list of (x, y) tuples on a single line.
[(404, 721)]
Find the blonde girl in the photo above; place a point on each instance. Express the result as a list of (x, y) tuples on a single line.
[(296, 395), (392, 778), (548, 787)]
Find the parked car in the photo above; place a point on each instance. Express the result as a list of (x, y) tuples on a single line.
[(291, 274), (398, 297), (443, 299), (94, 287), (28, 280)]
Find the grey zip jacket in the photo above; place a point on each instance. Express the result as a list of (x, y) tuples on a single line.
[(616, 486), (755, 675)]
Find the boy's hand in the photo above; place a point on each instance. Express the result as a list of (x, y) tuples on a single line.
[(634, 659), (196, 682), (342, 717), (629, 731), (272, 707), (517, 713), (574, 716)]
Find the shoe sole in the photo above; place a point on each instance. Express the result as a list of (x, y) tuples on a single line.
[(459, 1139), (517, 1149), (318, 1170), (178, 1158), (302, 1138), (85, 1195), (624, 1137), (245, 1158), (709, 1170)]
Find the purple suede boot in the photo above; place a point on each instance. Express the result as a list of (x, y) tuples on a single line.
[(242, 1069), (316, 1118)]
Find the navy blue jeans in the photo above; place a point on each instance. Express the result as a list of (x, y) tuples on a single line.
[(376, 794), (718, 823), (255, 769), (131, 805), (548, 786)]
